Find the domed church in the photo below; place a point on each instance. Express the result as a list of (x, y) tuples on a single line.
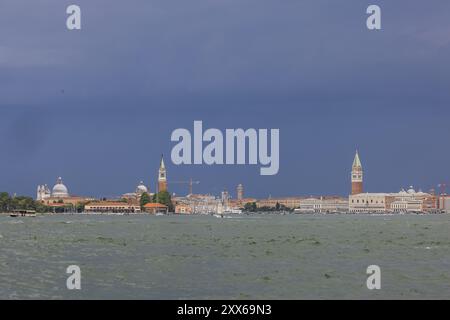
[(134, 197), (60, 190), (59, 195), (141, 188)]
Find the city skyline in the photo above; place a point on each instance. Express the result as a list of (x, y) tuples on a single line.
[(161, 182), (97, 106)]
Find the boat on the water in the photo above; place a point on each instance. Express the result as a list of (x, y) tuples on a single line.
[(23, 213), (229, 211)]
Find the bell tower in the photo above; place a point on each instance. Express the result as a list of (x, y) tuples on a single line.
[(357, 175), (162, 178)]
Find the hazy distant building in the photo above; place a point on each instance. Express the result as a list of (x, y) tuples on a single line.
[(240, 192), (412, 201), (43, 192), (225, 198), (241, 203), (154, 208), (444, 203), (289, 202), (59, 190), (197, 203), (398, 202), (162, 177), (330, 204), (59, 196), (141, 188), (111, 207), (357, 175), (367, 203), (183, 208), (134, 197)]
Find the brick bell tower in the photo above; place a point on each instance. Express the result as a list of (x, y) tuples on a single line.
[(162, 178), (357, 175)]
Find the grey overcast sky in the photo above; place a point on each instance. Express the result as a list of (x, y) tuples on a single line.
[(97, 106)]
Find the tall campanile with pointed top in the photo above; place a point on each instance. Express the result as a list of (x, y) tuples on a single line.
[(357, 175), (162, 177)]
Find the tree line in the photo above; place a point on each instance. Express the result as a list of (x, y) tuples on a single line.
[(9, 203), (162, 197), (252, 207)]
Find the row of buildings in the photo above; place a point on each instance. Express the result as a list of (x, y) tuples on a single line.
[(60, 198), (404, 201)]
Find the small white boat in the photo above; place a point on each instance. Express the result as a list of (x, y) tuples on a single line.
[(232, 211)]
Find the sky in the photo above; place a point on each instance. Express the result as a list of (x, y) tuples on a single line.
[(97, 106)]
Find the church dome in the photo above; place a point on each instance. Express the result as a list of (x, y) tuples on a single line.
[(141, 188), (411, 190), (60, 190)]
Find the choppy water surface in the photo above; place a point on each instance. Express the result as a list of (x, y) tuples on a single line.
[(200, 257)]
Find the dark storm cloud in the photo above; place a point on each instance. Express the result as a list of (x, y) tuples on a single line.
[(165, 48), (302, 66)]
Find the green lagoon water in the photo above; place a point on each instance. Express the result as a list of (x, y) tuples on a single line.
[(243, 257)]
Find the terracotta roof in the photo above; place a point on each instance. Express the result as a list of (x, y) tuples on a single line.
[(155, 205)]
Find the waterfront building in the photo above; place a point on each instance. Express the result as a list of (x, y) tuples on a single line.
[(183, 208), (225, 198), (404, 201), (59, 190), (227, 205), (331, 204), (241, 203), (59, 196), (399, 202), (221, 209), (357, 175), (43, 192), (198, 203), (162, 176), (154, 208), (240, 192), (334, 205), (71, 201), (367, 203), (406, 205), (289, 202), (111, 207), (412, 201), (309, 205), (444, 203)]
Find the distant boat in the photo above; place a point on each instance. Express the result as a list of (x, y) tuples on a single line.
[(23, 213), (232, 210)]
